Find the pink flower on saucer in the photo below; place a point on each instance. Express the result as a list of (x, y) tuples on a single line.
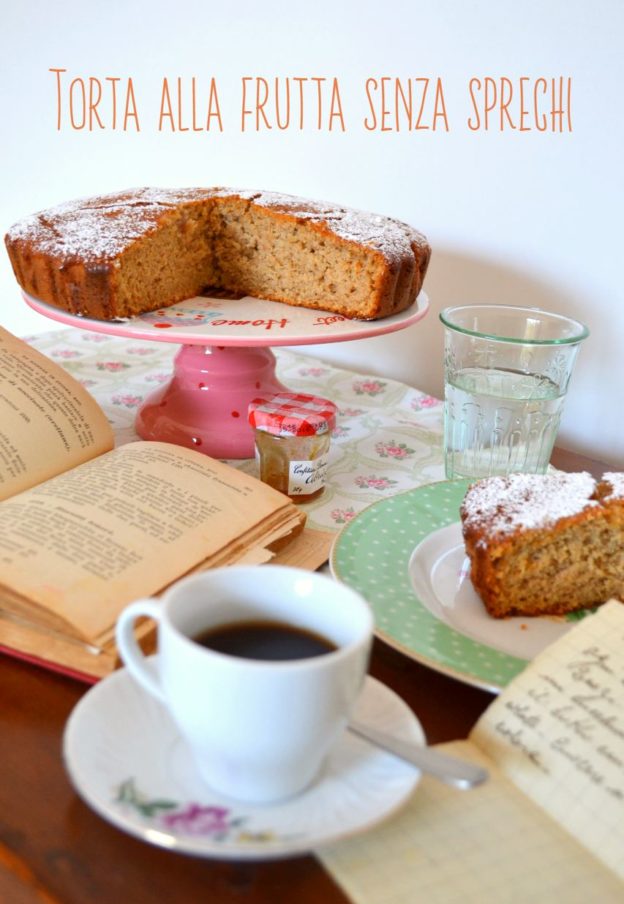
[(198, 820)]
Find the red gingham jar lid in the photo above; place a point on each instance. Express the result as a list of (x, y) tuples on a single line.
[(292, 414)]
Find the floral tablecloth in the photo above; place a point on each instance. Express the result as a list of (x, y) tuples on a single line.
[(388, 436)]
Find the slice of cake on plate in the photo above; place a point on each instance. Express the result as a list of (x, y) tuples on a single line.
[(545, 544)]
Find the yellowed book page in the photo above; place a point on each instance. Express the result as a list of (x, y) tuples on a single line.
[(48, 422), (54, 649), (558, 733), (309, 550), (63, 653), (490, 845), (86, 543)]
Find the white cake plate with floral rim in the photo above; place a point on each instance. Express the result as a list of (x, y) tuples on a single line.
[(127, 761)]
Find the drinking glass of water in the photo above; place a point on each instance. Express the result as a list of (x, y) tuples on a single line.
[(506, 373)]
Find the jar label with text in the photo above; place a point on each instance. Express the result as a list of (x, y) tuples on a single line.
[(307, 477)]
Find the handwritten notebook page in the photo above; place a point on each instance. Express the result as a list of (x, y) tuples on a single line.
[(559, 735), (493, 844), (486, 846)]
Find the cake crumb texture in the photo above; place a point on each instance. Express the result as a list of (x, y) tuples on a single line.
[(545, 544), (123, 254)]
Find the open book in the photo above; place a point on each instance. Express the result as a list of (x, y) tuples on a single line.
[(86, 528), (549, 824)]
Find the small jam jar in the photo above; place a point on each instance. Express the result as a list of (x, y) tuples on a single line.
[(293, 433)]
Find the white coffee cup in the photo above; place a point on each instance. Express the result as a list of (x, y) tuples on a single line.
[(259, 730)]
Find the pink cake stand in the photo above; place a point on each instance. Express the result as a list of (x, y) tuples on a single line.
[(225, 361)]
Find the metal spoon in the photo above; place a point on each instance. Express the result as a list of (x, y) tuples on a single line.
[(447, 769)]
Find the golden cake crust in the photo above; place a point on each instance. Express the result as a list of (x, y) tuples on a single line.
[(119, 255), (545, 544)]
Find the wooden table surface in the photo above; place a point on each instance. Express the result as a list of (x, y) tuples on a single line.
[(55, 850)]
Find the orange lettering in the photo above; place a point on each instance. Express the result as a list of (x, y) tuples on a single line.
[(524, 113), (504, 104), (369, 82), (166, 111), (406, 101), (277, 105), (58, 96), (131, 109), (439, 103), (544, 126), (83, 104), (260, 104), (335, 107), (213, 101), (477, 125), (418, 126), (244, 111)]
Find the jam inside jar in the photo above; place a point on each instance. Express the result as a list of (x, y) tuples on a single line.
[(293, 435)]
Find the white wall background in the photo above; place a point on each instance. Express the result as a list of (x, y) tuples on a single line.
[(520, 217)]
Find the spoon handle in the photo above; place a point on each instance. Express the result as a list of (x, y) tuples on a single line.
[(446, 768)]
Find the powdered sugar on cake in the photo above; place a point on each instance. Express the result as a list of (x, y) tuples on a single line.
[(528, 501), (616, 481), (98, 229)]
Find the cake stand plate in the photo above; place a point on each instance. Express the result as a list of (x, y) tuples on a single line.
[(225, 361)]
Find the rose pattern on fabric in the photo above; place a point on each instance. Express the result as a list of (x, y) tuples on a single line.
[(111, 366), (425, 401), (343, 516), (393, 450), (313, 371), (368, 387), (373, 413), (373, 482), (128, 401), (141, 350), (157, 378), (351, 412), (66, 353)]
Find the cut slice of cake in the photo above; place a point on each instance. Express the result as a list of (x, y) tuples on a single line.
[(545, 544)]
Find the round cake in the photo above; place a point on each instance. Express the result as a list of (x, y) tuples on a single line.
[(120, 255)]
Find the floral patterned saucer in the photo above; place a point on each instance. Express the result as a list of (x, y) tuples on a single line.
[(127, 761)]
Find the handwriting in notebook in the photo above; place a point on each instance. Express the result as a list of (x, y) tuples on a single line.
[(558, 731)]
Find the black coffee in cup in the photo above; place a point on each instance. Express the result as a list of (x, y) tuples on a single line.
[(266, 640)]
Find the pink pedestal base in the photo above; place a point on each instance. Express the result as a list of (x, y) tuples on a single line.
[(204, 406)]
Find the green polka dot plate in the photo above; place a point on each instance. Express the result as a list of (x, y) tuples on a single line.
[(405, 555)]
